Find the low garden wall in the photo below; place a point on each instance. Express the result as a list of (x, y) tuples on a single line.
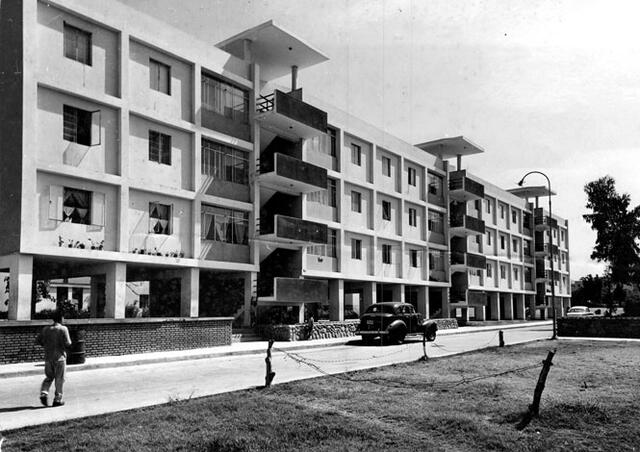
[(108, 337), (324, 330), (620, 327)]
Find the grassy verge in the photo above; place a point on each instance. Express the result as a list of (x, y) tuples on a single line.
[(591, 402)]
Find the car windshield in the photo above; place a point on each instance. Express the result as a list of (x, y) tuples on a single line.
[(577, 309), (380, 308)]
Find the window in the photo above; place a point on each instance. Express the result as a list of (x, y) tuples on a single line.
[(564, 258), (515, 274), (225, 225), (555, 233), (159, 218), (328, 250), (501, 212), (224, 99), (527, 274), (159, 147), (356, 201), (515, 245), (476, 204), (435, 184), (502, 242), (159, 76), (326, 197), (333, 141), (436, 222), (478, 239), (413, 258), (76, 207), (77, 44), (332, 193), (503, 272), (436, 260), (489, 271), (386, 254), (488, 206), (514, 216), (562, 235), (386, 210), (356, 249), (413, 217), (356, 154), (527, 248), (386, 166), (77, 125), (225, 163), (488, 238), (412, 176)]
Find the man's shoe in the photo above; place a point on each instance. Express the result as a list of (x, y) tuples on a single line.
[(43, 399), (58, 403)]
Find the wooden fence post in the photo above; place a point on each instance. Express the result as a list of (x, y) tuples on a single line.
[(534, 408), (500, 338), (270, 374)]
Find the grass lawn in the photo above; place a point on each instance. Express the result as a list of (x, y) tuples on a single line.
[(591, 402)]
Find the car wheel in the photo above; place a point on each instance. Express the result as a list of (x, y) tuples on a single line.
[(431, 336), (397, 337)]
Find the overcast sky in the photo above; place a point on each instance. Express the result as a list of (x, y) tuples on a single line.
[(540, 85)]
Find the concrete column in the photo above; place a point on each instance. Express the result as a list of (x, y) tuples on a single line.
[(336, 299), (20, 287), (508, 306), (481, 314), (93, 303), (520, 313), (423, 301), (369, 295), (494, 299), (115, 290), (398, 292), (189, 292), (250, 291), (446, 306), (301, 313)]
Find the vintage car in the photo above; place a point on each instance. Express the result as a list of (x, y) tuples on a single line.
[(393, 321), (579, 311)]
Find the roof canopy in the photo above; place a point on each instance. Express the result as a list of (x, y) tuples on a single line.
[(274, 49), (533, 191), (446, 148)]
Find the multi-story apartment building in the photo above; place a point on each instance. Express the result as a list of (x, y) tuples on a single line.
[(137, 156)]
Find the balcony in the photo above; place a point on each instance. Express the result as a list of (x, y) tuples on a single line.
[(542, 221), (290, 175), (463, 261), (292, 291), (542, 249), (293, 231), (465, 225), (461, 188), (287, 115)]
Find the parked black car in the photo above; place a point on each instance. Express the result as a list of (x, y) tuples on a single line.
[(393, 321)]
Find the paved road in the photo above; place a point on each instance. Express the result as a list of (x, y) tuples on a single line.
[(92, 392)]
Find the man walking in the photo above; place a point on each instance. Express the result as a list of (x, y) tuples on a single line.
[(55, 340)]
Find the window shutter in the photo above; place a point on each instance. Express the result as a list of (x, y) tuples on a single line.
[(96, 128), (56, 193), (97, 209)]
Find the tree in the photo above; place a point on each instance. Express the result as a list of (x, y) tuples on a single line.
[(617, 226), (589, 291)]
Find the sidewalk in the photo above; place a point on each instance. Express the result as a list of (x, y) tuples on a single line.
[(235, 349)]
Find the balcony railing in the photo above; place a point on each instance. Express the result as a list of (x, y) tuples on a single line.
[(468, 260), (542, 220), (468, 223), (293, 290), (294, 229), (290, 172), (287, 107), (464, 188)]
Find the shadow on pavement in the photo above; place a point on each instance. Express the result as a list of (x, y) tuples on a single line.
[(20, 408)]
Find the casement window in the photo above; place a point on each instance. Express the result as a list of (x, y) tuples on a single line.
[(81, 126), (386, 210), (73, 205), (488, 206), (159, 76), (333, 141), (224, 99), (501, 212), (527, 248), (356, 154), (503, 272), (326, 197), (476, 204), (356, 201), (386, 254), (356, 249), (562, 235), (332, 192), (412, 176), (527, 274), (489, 271), (514, 216), (502, 242), (413, 217), (478, 239), (436, 260), (515, 274), (488, 238), (159, 147), (435, 184), (225, 225), (225, 163), (414, 258), (386, 166), (515, 245), (159, 218), (328, 250), (77, 44), (435, 223)]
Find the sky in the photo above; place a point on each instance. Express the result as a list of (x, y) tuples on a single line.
[(552, 86)]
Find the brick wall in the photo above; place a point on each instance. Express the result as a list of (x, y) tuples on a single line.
[(622, 327), (114, 337)]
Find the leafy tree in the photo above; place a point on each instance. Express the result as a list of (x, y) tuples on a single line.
[(589, 291)]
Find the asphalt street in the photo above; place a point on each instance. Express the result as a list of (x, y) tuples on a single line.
[(104, 390)]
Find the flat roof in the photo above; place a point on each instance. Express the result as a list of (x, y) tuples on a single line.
[(450, 147), (274, 49), (532, 191)]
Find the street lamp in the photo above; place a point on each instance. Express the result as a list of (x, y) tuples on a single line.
[(553, 284)]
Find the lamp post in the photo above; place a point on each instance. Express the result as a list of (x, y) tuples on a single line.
[(553, 284)]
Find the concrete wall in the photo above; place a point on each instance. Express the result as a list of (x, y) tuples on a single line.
[(176, 105), (354, 219), (411, 192), (416, 232), (102, 76), (391, 226), (178, 174), (391, 183), (350, 170), (354, 267), (53, 150)]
